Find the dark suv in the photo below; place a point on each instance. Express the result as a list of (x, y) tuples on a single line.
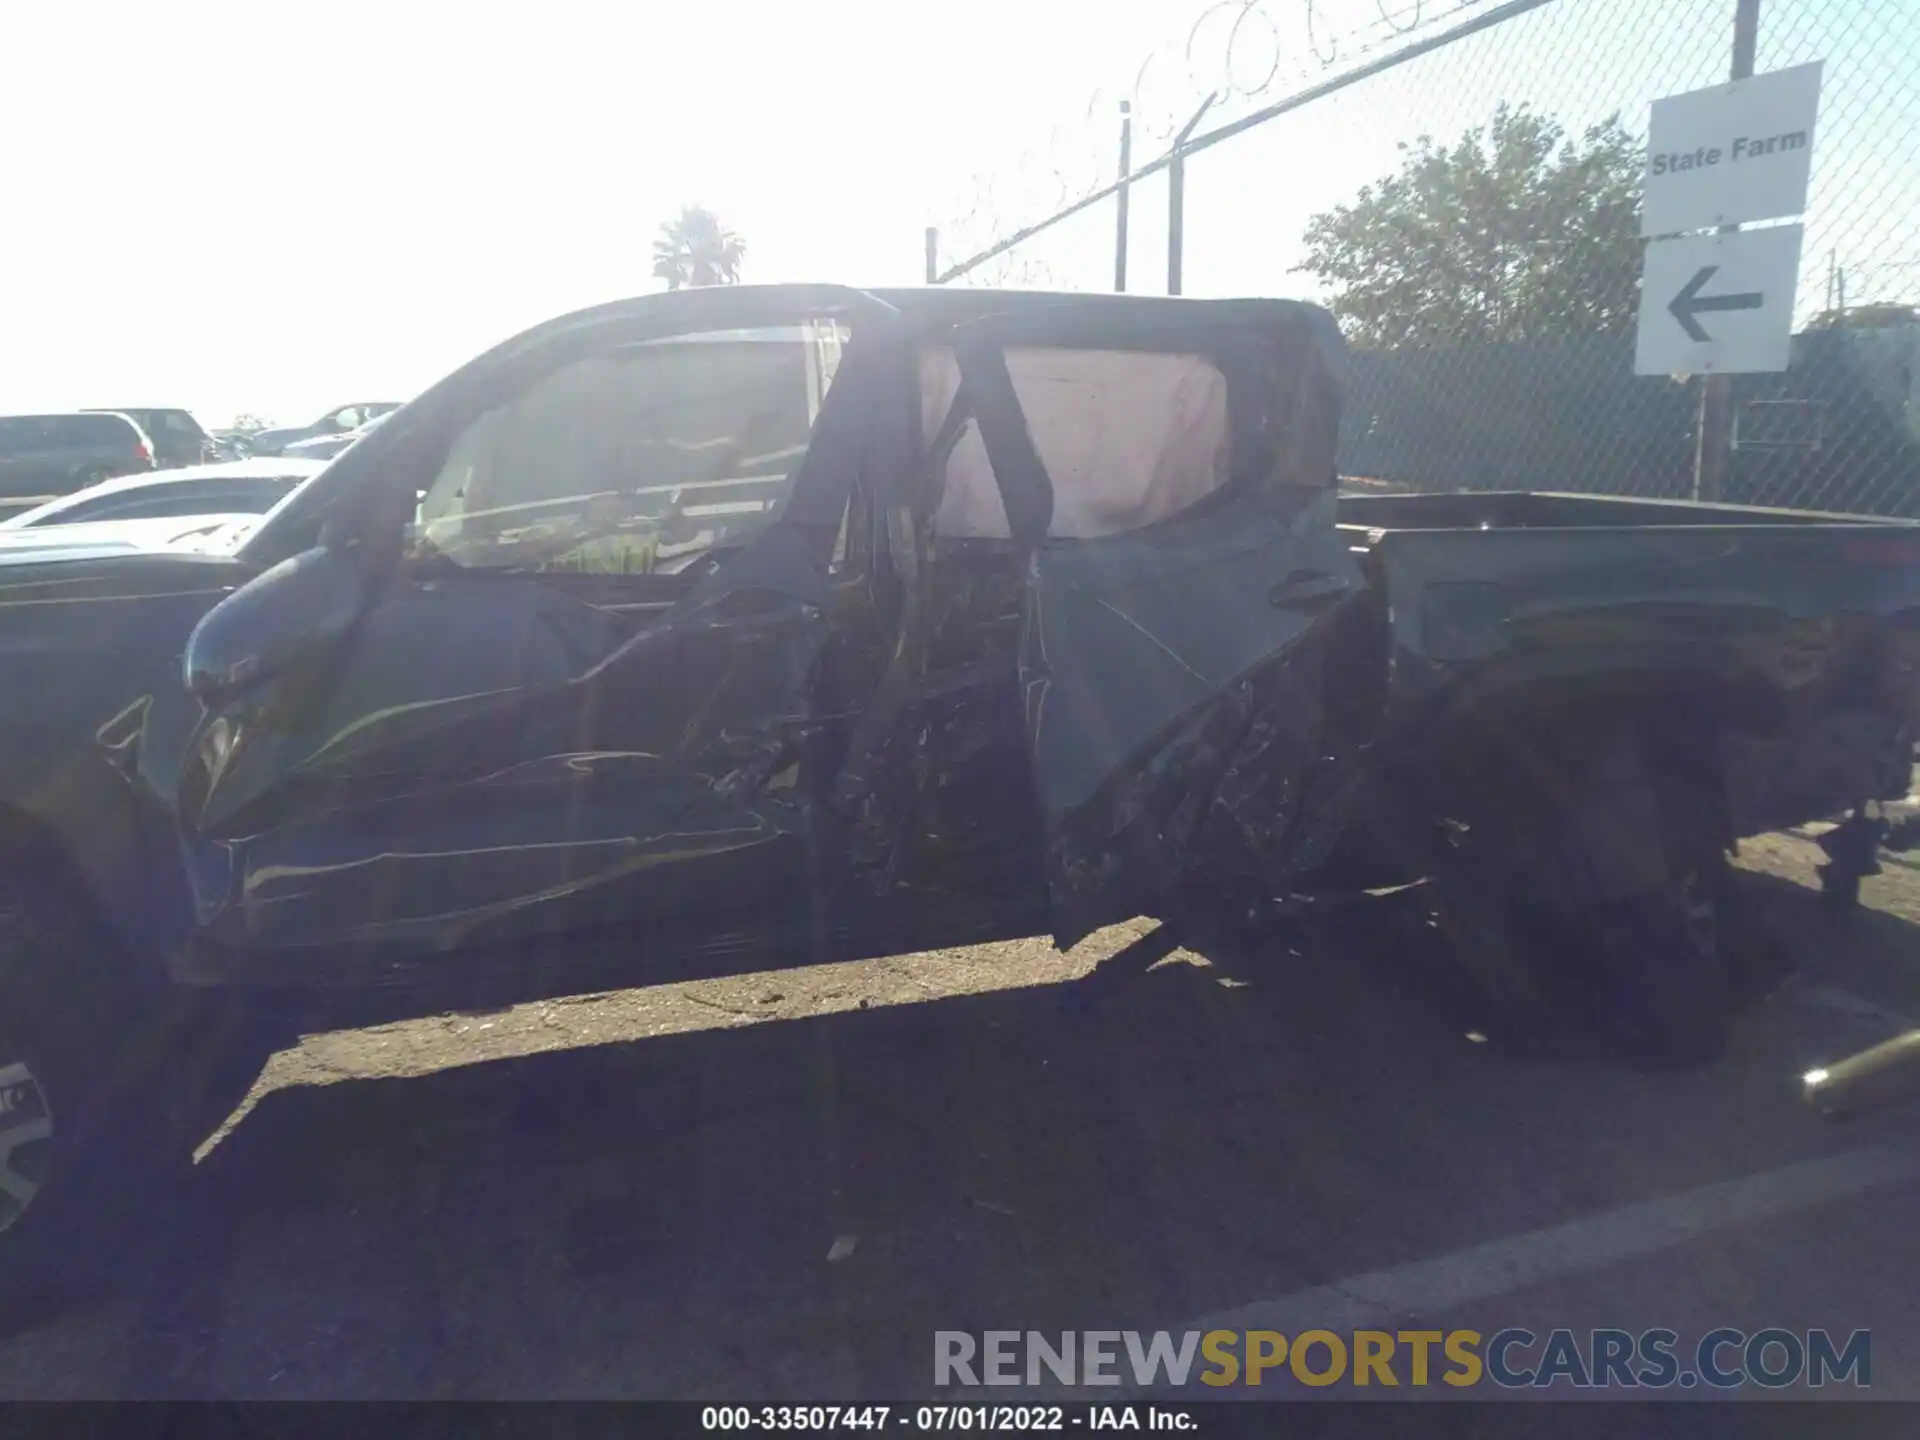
[(178, 439), (334, 422), (45, 456)]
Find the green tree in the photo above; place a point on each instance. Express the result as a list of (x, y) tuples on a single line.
[(1515, 233), (247, 423), (694, 248)]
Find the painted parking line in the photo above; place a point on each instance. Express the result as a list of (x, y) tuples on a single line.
[(1429, 1289)]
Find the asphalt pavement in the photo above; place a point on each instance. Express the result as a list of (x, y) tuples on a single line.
[(780, 1187)]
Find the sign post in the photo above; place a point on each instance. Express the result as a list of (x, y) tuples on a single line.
[(1713, 428), (1721, 303)]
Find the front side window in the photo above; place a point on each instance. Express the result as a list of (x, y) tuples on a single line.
[(644, 460)]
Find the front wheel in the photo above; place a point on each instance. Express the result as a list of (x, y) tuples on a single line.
[(26, 1134), (93, 1111)]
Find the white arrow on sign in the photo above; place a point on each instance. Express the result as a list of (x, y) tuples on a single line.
[(1718, 304), (1731, 153)]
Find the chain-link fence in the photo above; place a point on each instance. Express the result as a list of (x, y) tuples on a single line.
[(1459, 180)]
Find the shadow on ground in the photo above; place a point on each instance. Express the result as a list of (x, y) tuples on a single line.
[(1870, 950), (790, 1209)]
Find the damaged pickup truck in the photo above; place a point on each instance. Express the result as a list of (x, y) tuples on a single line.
[(740, 628)]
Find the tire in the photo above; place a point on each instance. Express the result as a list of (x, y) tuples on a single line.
[(1572, 963), (92, 1125)]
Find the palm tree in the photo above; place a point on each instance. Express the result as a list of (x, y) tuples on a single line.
[(695, 249)]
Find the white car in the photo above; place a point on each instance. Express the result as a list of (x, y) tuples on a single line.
[(205, 534), (243, 487)]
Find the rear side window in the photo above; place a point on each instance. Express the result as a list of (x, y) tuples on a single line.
[(179, 422), (1128, 437), (164, 424), (21, 433), (102, 433), (94, 432)]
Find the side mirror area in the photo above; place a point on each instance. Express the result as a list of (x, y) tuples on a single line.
[(302, 606)]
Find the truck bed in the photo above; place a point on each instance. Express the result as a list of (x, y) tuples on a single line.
[(1487, 593), (1549, 510)]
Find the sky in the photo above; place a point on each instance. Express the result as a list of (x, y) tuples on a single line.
[(283, 207), (1578, 61)]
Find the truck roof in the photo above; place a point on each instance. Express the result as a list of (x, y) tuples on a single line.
[(934, 306)]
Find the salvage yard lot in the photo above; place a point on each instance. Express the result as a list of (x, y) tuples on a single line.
[(637, 1194)]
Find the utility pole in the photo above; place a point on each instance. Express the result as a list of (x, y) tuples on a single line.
[(1126, 190), (933, 255), (1713, 433)]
